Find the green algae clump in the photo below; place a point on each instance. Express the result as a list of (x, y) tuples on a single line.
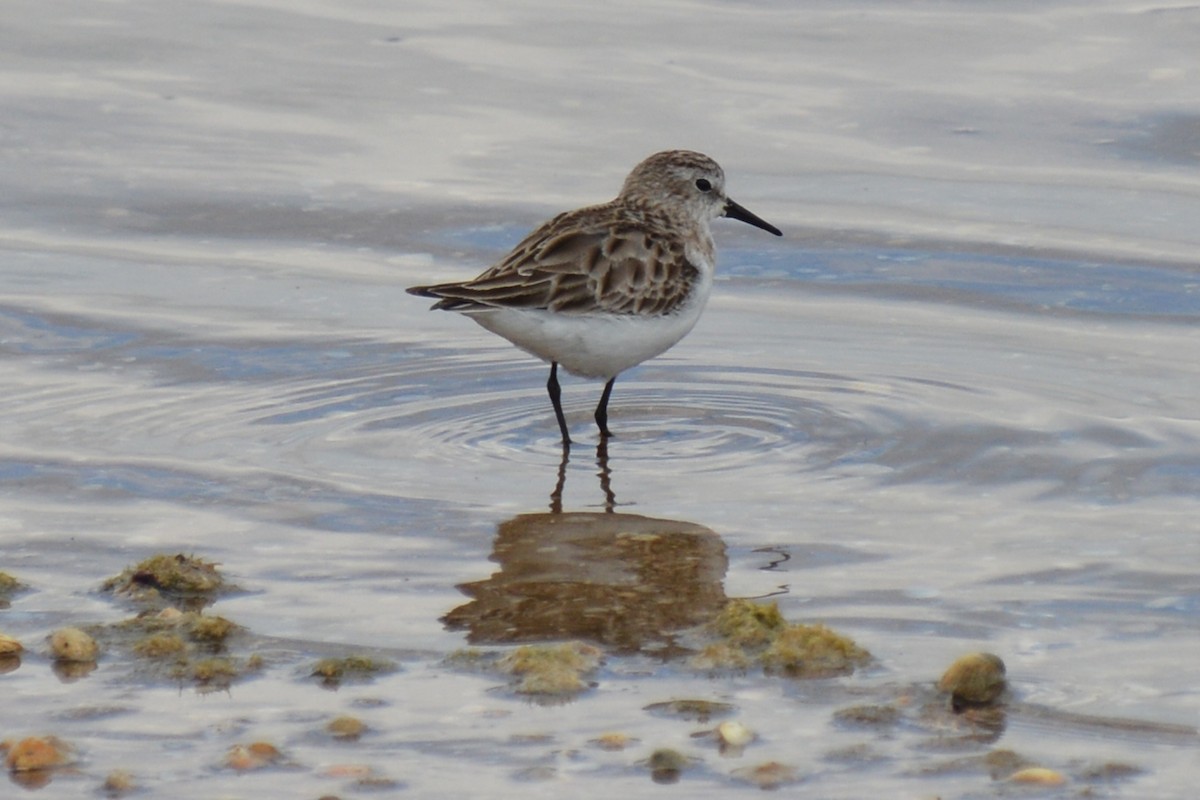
[(9, 585), (812, 651), (721, 656), (211, 673), (543, 672), (161, 645), (471, 658), (748, 625), (179, 576), (551, 670), (332, 671), (750, 633), (186, 646), (204, 628)]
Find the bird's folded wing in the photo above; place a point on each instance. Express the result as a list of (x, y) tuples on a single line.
[(569, 270)]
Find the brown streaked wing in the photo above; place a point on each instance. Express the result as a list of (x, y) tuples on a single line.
[(570, 266), (642, 275)]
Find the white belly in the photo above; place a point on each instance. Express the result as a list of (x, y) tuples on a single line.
[(591, 345)]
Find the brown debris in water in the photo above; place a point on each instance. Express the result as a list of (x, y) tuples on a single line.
[(698, 710), (363, 775), (1002, 763), (997, 764), (868, 716), (1110, 771)]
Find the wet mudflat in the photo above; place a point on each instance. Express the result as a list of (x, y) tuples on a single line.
[(952, 411)]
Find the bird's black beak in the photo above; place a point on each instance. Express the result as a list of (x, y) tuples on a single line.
[(734, 211)]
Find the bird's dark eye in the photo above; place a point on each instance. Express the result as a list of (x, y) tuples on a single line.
[(703, 185)]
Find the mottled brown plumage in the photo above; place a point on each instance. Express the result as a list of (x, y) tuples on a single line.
[(605, 259), (603, 288)]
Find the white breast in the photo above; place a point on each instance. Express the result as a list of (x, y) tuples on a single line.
[(595, 345)]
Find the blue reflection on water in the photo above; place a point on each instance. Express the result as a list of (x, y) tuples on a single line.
[(1037, 282), (1087, 286)]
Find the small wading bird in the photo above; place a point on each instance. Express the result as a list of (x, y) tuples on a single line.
[(603, 288)]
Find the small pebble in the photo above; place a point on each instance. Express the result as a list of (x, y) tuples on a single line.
[(666, 765), (118, 783), (976, 678), (9, 646), (613, 741), (37, 753), (734, 734), (732, 738), (355, 771), (770, 775), (72, 644), (1038, 775), (244, 758), (348, 728)]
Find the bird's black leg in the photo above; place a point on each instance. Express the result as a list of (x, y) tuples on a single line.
[(555, 392), (602, 409)]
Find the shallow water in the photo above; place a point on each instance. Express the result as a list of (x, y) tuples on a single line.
[(953, 409)]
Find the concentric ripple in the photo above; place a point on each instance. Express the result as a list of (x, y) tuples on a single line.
[(911, 408), (697, 418)]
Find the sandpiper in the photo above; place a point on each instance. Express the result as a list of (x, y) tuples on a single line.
[(603, 288)]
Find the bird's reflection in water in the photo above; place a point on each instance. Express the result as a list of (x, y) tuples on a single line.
[(623, 581), (602, 472)]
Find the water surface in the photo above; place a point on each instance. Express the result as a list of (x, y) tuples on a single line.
[(953, 409)]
